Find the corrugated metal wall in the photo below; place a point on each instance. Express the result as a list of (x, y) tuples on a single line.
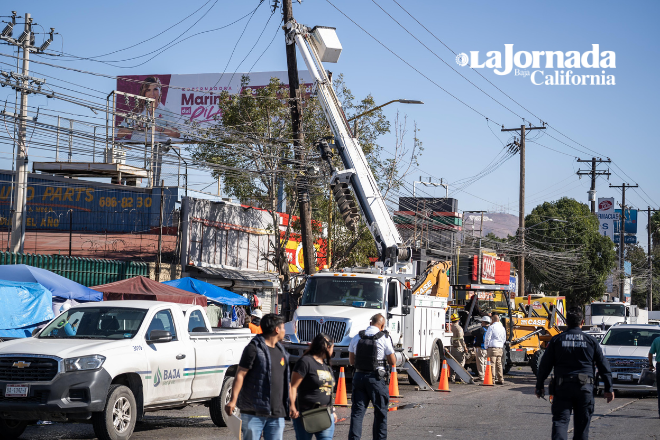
[(86, 271)]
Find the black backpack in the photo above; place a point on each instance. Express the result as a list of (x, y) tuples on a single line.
[(366, 352)]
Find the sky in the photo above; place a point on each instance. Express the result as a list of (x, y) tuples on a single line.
[(612, 121)]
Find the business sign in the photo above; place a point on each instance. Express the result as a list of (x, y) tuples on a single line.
[(513, 284), (57, 204), (630, 239), (186, 103), (488, 267), (631, 221), (606, 216)]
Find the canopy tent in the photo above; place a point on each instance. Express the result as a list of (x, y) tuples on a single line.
[(59, 286), (214, 293), (141, 288), (22, 307)]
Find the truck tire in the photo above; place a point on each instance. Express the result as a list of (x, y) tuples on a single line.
[(432, 367), (12, 429), (117, 420), (507, 363), (217, 406), (535, 361)]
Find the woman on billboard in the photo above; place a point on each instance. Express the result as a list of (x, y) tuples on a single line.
[(165, 119)]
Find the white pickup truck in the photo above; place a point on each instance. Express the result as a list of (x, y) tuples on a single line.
[(111, 362)]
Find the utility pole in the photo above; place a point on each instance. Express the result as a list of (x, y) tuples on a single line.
[(649, 294), (24, 42), (521, 202), (594, 173), (298, 139), (622, 235)]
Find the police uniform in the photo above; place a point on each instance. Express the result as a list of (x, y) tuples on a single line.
[(370, 381), (574, 356)]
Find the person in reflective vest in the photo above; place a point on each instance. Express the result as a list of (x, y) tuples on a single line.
[(458, 347), (372, 353)]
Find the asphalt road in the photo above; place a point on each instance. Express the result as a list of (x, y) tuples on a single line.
[(469, 412)]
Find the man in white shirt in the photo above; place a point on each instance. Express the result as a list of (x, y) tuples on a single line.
[(494, 343)]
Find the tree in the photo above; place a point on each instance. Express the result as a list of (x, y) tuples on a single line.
[(655, 228), (571, 258)]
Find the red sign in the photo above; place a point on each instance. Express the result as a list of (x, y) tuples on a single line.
[(605, 205), (502, 272), (488, 267)]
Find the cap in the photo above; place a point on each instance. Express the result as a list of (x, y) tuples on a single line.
[(454, 317), (486, 319), (258, 313)]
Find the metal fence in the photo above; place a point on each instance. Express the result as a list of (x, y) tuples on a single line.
[(86, 271)]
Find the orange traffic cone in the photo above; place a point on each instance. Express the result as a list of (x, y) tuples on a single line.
[(394, 383), (444, 378), (341, 399), (488, 377)]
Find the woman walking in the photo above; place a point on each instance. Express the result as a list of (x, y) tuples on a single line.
[(312, 382)]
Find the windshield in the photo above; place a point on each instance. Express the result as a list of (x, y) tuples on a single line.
[(634, 337), (95, 323), (335, 291), (608, 310)]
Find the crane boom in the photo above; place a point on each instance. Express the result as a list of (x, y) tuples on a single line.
[(356, 171)]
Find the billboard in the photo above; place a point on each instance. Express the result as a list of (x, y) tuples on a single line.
[(488, 267), (185, 102), (631, 221), (606, 216)]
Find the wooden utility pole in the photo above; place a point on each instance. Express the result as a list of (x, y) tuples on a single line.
[(521, 203), (622, 235), (649, 294), (594, 173), (295, 105)]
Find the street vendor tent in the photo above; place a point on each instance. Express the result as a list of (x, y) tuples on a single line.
[(141, 288), (22, 307), (214, 293), (59, 286)]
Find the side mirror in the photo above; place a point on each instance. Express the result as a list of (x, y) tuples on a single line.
[(158, 336), (407, 297), (392, 297), (405, 310)]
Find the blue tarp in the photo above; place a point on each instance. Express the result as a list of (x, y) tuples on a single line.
[(22, 307), (59, 286), (210, 291)]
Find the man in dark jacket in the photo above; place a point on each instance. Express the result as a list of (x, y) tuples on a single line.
[(575, 357), (261, 385)]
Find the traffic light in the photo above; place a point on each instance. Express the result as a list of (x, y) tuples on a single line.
[(346, 203)]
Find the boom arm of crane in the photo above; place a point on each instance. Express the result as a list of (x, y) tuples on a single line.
[(356, 168), (434, 280)]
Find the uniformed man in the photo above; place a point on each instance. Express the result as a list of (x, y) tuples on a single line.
[(372, 354), (458, 347), (574, 356)]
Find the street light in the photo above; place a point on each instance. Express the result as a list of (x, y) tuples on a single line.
[(548, 220), (402, 101)]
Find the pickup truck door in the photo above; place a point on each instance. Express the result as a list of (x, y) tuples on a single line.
[(169, 362)]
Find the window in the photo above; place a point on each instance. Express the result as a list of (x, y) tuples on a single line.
[(162, 321), (356, 292), (631, 337), (612, 309), (95, 323), (196, 322)]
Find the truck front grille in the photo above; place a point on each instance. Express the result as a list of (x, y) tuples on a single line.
[(27, 369), (309, 328), (627, 365)]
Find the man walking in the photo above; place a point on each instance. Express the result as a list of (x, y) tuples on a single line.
[(494, 343), (655, 350), (261, 385), (481, 352), (372, 354), (458, 347), (575, 356)]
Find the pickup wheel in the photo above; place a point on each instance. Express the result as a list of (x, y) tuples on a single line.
[(217, 406), (117, 420), (11, 429)]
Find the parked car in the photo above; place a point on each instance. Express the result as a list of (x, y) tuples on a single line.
[(111, 362), (626, 347)]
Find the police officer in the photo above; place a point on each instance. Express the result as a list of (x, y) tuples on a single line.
[(372, 354), (574, 356)]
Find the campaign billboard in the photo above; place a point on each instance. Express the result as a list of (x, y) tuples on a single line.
[(186, 102), (631, 221)]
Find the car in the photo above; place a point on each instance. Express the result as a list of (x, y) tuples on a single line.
[(626, 347)]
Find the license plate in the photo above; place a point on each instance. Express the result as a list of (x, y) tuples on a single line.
[(624, 377), (17, 390)]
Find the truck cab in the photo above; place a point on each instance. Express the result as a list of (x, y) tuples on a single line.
[(606, 314)]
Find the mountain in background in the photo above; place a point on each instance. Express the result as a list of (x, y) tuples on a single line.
[(499, 223)]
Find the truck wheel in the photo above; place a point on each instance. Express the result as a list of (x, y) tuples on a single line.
[(217, 406), (535, 361), (11, 429), (431, 367), (117, 420), (506, 362)]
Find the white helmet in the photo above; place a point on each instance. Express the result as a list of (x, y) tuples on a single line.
[(486, 319), (258, 313)]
